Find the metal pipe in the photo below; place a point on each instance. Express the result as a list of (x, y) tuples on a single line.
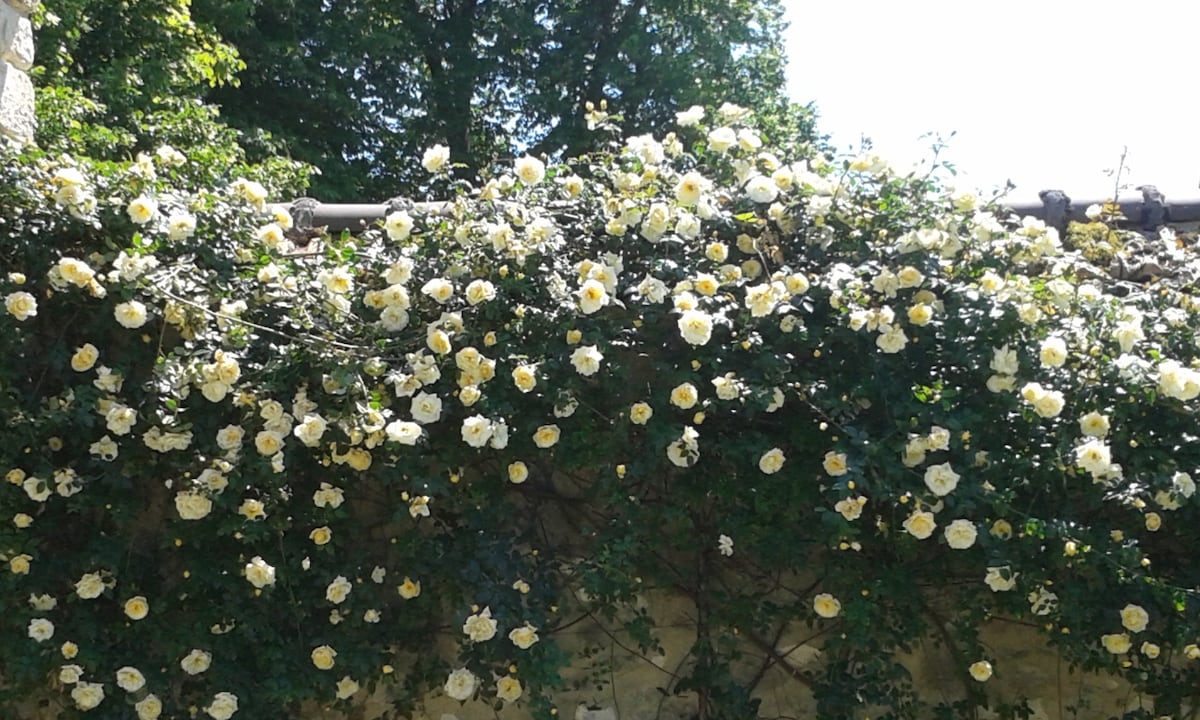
[(357, 216), (1187, 211)]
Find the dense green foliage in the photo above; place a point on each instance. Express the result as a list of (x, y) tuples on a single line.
[(793, 389), (359, 88)]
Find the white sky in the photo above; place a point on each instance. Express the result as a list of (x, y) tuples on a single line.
[(1043, 93)]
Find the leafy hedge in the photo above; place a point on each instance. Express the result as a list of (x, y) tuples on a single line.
[(248, 468)]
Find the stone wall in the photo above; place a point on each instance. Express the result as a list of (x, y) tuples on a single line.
[(1027, 669), (16, 59)]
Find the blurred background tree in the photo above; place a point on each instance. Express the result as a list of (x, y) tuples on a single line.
[(359, 88)]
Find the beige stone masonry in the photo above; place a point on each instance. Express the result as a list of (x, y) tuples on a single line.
[(17, 118)]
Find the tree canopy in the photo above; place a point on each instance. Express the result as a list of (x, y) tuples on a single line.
[(356, 87)]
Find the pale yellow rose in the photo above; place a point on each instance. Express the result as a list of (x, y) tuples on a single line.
[(323, 657), (409, 589), (84, 358), (981, 670), (827, 606), (480, 627), (835, 464), (524, 637), (137, 608)]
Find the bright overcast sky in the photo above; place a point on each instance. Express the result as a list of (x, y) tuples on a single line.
[(1043, 93)]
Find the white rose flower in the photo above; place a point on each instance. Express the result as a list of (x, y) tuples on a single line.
[(530, 170), (1128, 334), (525, 377), (259, 573), (981, 670), (721, 139), (435, 158), (960, 534), (268, 442), (79, 273), (223, 706), (196, 662), (310, 430), (148, 708), (546, 436), (850, 508), (461, 684), (393, 318), (328, 496), (771, 462), (230, 437), (37, 489), (323, 656), (592, 296), (480, 291), (1134, 618), (827, 606), (130, 314), (835, 464), (524, 637), (1004, 361), (70, 674), (640, 413), (476, 431), (508, 689), (180, 226), (690, 187), (480, 627), (920, 524), (1183, 485), (142, 210), (692, 116), (891, 339), (338, 590), (1094, 425), (920, 314), (426, 408), (192, 505), (1177, 381), (21, 305), (87, 695), (941, 479), (1116, 643), (120, 419), (1053, 352), (398, 225), (130, 679), (695, 327), (439, 290), (1042, 601), (1095, 456), (586, 360), (1000, 579), (685, 451), (685, 396), (347, 687), (762, 189), (89, 586), (1049, 404), (687, 226), (40, 629)]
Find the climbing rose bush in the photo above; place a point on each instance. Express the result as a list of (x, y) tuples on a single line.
[(249, 466)]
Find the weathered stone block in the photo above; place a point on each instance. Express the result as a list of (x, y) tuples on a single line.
[(16, 38), (16, 103), (25, 6), (9, 18)]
